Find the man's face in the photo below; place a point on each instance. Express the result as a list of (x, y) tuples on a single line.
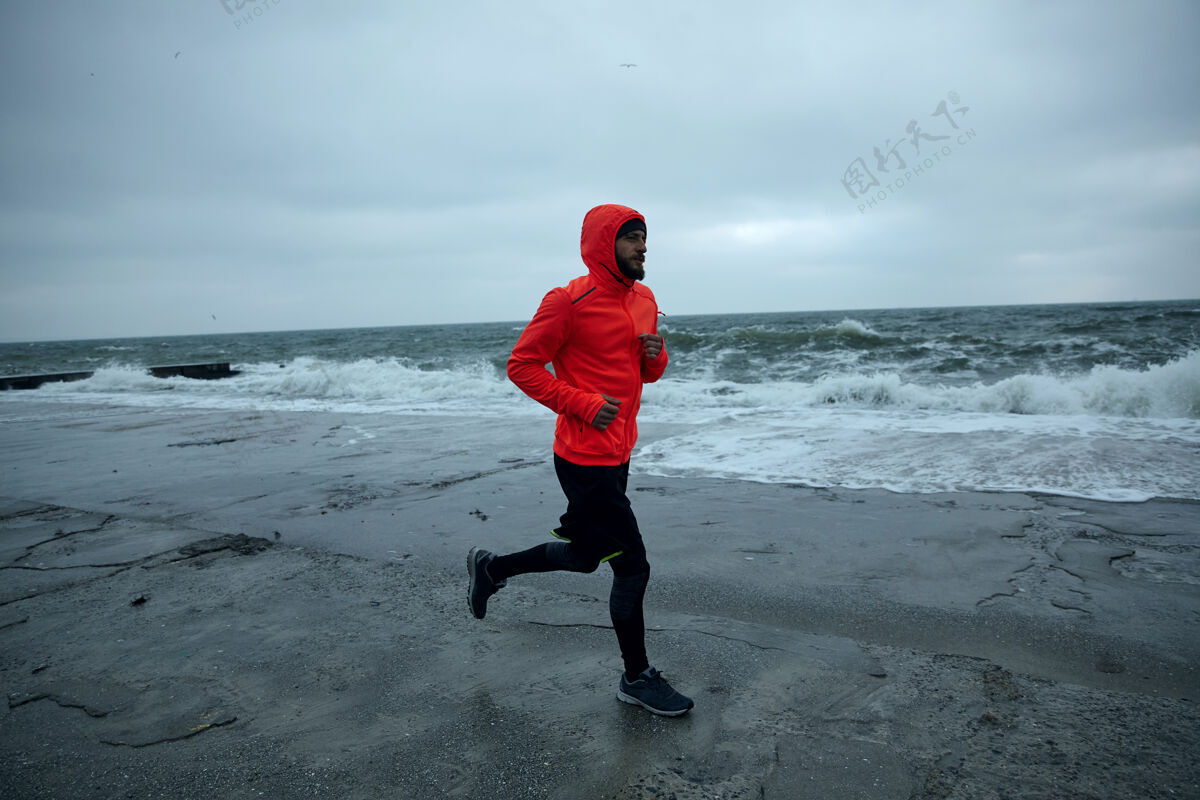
[(631, 255)]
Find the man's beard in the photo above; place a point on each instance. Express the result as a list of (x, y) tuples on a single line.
[(631, 269)]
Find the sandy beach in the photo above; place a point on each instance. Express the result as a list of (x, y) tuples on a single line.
[(232, 604)]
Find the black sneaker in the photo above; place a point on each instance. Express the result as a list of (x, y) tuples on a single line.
[(482, 586), (652, 692)]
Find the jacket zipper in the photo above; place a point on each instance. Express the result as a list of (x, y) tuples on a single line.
[(637, 367)]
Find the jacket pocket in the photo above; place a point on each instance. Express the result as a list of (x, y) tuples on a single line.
[(581, 437)]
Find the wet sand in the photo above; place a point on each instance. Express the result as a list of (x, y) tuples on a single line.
[(233, 604)]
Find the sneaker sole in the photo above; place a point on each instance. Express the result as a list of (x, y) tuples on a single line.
[(633, 701)]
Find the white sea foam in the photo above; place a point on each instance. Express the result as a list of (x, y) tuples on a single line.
[(1170, 390), (853, 327), (364, 386), (1118, 459), (1111, 433)]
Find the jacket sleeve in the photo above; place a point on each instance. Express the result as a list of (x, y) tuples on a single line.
[(653, 368), (539, 343)]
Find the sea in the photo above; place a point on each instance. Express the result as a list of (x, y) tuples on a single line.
[(1097, 401)]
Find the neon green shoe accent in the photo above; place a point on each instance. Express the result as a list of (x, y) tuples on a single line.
[(610, 558), (556, 536)]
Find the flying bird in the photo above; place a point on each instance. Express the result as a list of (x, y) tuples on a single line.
[(177, 52), (629, 65)]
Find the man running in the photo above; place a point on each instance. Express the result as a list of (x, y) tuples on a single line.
[(600, 332)]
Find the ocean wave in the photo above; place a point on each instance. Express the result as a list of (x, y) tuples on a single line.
[(370, 379), (938, 451), (848, 332), (365, 385), (113, 378), (1170, 390), (854, 328), (1109, 433)]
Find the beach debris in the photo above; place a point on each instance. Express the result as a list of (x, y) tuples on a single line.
[(140, 600), (445, 484), (68, 694), (999, 685), (169, 727), (239, 543), (939, 782), (477, 513), (204, 443)]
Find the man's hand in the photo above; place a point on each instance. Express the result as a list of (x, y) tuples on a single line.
[(652, 344), (607, 413)]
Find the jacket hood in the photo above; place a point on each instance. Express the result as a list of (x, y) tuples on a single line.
[(598, 240)]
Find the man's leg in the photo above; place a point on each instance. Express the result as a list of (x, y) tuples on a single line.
[(600, 522), (625, 609), (547, 557), (598, 526), (580, 548), (489, 573), (641, 684)]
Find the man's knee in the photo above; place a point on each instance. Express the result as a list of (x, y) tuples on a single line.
[(631, 562), (627, 594), (570, 558)]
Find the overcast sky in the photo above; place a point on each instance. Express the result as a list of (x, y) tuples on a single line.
[(173, 168)]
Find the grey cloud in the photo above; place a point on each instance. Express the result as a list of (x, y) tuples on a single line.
[(402, 163)]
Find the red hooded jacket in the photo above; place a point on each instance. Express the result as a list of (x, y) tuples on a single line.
[(589, 331)]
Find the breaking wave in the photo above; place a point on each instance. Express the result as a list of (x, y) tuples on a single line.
[(1170, 390)]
